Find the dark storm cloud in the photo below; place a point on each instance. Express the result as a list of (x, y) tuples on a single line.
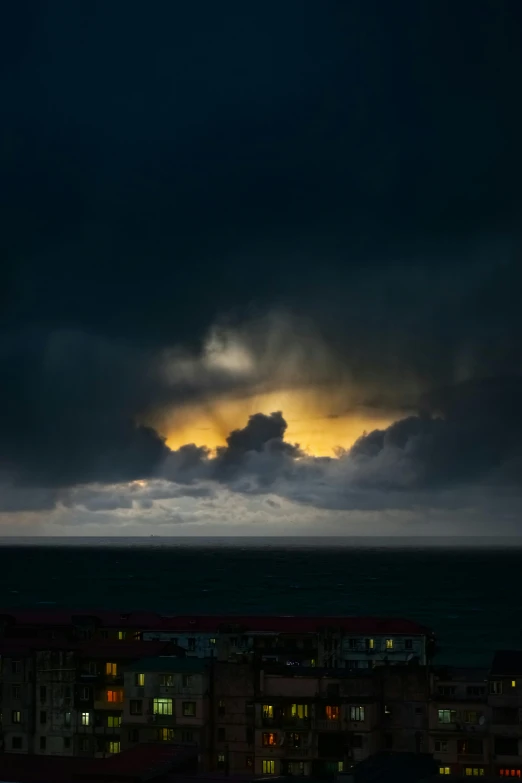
[(162, 168)]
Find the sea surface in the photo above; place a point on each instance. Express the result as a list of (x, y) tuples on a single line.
[(469, 595)]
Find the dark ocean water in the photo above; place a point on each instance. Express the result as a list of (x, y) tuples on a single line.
[(470, 596)]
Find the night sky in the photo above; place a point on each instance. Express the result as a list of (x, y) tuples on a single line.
[(261, 267)]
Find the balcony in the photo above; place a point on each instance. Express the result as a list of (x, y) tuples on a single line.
[(328, 725), (299, 753)]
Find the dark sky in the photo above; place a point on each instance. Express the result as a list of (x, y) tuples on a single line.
[(171, 166)]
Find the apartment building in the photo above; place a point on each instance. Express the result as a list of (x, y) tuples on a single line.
[(233, 717), (167, 699), (505, 703), (460, 722)]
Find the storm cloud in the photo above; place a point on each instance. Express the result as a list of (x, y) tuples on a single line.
[(267, 198)]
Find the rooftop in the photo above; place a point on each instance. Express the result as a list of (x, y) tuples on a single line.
[(56, 618), (507, 662)]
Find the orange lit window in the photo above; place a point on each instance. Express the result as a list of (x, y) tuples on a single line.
[(332, 713), (111, 668), (509, 773), (114, 696), (269, 739)]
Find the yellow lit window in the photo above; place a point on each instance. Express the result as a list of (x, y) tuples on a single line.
[(370, 643), (113, 721), (162, 706), (299, 711), (312, 662), (114, 696), (122, 635), (86, 719), (111, 668), (474, 771), (268, 711), (444, 771), (332, 712), (389, 644), (166, 735), (268, 767), (269, 739), (140, 680), (513, 683), (340, 766), (114, 747)]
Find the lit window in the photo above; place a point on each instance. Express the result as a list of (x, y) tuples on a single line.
[(268, 711), (312, 662), (139, 680), (86, 718), (370, 644), (67, 719), (268, 767), (474, 771), (269, 739), (111, 668), (113, 721), (188, 709), (444, 771), (340, 766), (122, 635), (299, 711), (162, 707), (16, 716), (471, 717), (221, 761), (166, 735), (212, 642), (389, 644), (447, 716), (332, 712), (115, 696), (357, 713), (513, 683), (113, 747), (509, 773)]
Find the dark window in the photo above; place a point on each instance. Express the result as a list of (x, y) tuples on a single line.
[(249, 762), (134, 735), (353, 644), (104, 634), (16, 691), (188, 709), (221, 761), (249, 708), (357, 741), (43, 716), (470, 747), (43, 693), (408, 644), (136, 707), (441, 746), (66, 743), (332, 690), (84, 694), (191, 644), (250, 735), (446, 690), (295, 740), (16, 743), (388, 741), (43, 743), (16, 667), (84, 744), (188, 736), (221, 707), (475, 690), (221, 735), (506, 746)]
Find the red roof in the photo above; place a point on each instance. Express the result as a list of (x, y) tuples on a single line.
[(144, 621)]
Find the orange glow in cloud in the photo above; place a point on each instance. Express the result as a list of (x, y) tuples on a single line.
[(317, 421)]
